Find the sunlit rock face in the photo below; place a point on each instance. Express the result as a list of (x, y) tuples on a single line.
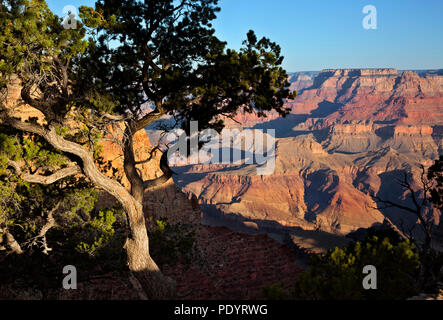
[(351, 133), (374, 94)]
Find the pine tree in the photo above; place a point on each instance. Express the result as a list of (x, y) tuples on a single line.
[(162, 53)]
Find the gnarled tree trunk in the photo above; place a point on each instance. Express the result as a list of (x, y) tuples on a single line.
[(140, 263), (137, 244), (156, 285)]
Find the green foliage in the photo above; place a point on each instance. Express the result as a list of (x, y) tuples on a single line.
[(170, 244), (24, 206), (30, 33), (31, 149), (338, 273), (80, 201), (165, 53), (62, 131), (92, 243), (101, 101), (9, 204), (23, 212), (275, 292), (31, 36), (96, 233), (94, 238)]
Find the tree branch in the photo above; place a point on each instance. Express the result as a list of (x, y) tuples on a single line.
[(405, 183), (12, 243), (20, 125), (425, 223), (129, 163), (50, 223), (392, 204), (147, 120), (89, 167), (151, 155), (114, 117), (167, 174), (44, 107), (35, 178)]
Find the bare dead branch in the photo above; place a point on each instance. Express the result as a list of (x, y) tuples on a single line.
[(12, 243), (390, 204), (41, 237), (114, 117)]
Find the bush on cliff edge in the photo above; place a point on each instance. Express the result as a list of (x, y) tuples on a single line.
[(338, 274)]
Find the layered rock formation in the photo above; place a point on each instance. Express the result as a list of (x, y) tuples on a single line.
[(318, 184), (382, 95), (302, 80), (373, 94), (351, 135)]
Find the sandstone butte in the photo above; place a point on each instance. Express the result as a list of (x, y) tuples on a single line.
[(365, 94)]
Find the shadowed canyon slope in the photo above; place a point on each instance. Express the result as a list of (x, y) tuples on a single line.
[(350, 135)]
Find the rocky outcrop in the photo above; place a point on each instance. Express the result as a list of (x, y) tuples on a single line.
[(374, 94), (302, 80), (381, 95), (245, 119), (326, 173), (236, 267), (358, 72)]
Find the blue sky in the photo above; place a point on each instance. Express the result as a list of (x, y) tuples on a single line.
[(319, 34)]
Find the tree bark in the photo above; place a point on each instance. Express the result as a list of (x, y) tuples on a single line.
[(140, 263), (35, 178), (13, 244), (137, 245)]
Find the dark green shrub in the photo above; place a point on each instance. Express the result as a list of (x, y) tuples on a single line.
[(96, 233), (171, 243), (338, 273), (275, 292)]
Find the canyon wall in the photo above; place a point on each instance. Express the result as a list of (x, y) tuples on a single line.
[(349, 136), (373, 94)]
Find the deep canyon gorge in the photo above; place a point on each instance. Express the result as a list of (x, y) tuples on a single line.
[(349, 135)]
